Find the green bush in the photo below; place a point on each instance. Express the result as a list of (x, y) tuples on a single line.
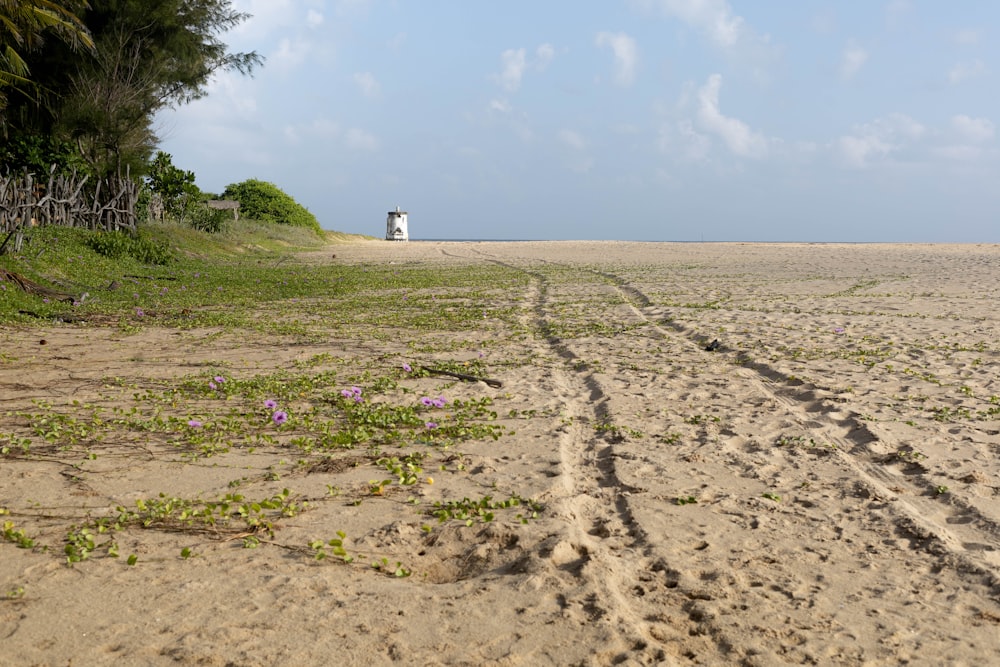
[(207, 219), (175, 186), (115, 245), (265, 202)]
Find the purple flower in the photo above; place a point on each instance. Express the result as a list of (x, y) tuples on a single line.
[(194, 423), (431, 425), (408, 368), (356, 391), (212, 385), (280, 417), (347, 393), (219, 379), (427, 400), (839, 330), (440, 402), (270, 404), (45, 300), (138, 312)]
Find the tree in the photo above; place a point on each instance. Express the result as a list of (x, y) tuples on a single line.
[(148, 56), (175, 186), (24, 25), (265, 202)]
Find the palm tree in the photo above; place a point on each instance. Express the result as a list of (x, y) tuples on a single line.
[(24, 24)]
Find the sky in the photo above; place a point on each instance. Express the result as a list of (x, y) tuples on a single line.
[(649, 120)]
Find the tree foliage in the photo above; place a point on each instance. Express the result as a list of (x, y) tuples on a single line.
[(174, 186), (147, 56), (265, 202), (24, 26)]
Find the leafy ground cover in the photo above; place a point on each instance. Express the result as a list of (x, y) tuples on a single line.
[(369, 410)]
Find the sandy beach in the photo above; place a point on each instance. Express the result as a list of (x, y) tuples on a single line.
[(705, 454)]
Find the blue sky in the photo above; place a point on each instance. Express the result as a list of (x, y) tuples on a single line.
[(660, 120)]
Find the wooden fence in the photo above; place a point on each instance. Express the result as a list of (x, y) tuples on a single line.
[(65, 200)]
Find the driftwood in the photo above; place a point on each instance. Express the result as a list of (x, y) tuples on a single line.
[(496, 384), (34, 288), (64, 200)]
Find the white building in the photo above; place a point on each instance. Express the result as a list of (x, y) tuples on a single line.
[(395, 226)]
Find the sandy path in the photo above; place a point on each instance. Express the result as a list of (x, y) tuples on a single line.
[(823, 488)]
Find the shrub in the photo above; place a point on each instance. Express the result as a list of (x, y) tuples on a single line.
[(116, 245), (207, 219), (265, 202), (175, 186)]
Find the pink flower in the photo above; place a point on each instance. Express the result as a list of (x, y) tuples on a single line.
[(194, 423), (431, 425), (407, 367), (270, 404), (280, 417)]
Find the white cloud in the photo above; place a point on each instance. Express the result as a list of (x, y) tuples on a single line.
[(545, 53), (714, 17), (973, 129), (851, 60), (736, 134), (877, 140), (503, 106), (693, 144), (747, 48), (572, 139), (967, 37), (360, 140), (965, 71), (626, 55), (857, 151), (314, 19), (514, 64), (367, 83)]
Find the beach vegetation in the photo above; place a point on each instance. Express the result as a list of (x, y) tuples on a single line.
[(267, 203), (320, 412)]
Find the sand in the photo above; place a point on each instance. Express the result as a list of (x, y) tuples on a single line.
[(822, 487)]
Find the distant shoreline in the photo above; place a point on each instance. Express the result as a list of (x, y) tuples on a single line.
[(928, 243)]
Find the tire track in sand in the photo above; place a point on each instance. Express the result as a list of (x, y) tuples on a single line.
[(696, 579), (611, 575), (969, 537), (903, 516)]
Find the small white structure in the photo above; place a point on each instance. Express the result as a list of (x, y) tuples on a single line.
[(395, 226)]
